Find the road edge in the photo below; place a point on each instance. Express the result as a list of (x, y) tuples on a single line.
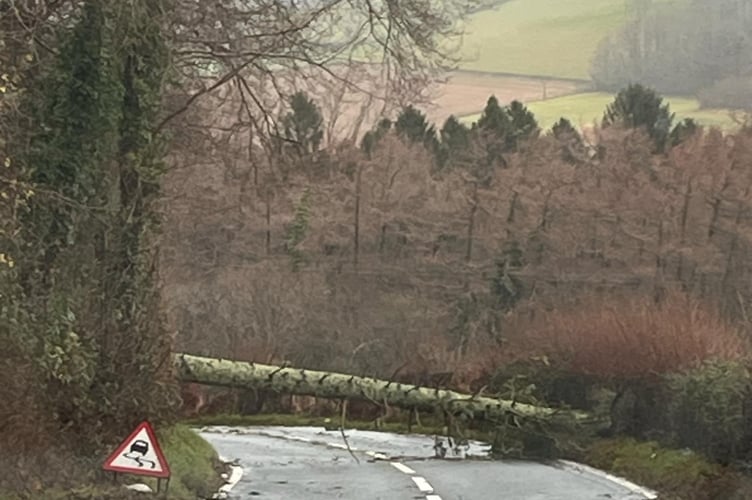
[(236, 474), (634, 488)]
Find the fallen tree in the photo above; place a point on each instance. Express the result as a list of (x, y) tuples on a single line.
[(288, 380)]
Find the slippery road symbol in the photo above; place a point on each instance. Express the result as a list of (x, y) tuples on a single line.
[(138, 451)]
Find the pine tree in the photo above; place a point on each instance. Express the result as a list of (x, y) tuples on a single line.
[(494, 118), (303, 125), (455, 140), (372, 137), (640, 107), (522, 124), (414, 126)]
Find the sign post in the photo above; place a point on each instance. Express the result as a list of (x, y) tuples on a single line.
[(141, 455)]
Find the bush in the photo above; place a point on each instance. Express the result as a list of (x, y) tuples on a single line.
[(629, 338), (706, 409)]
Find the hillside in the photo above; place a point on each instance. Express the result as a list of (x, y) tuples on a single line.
[(553, 38)]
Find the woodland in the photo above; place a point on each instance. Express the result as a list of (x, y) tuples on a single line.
[(240, 181)]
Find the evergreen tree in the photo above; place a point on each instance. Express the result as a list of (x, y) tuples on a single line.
[(414, 126), (522, 124), (572, 144), (640, 107), (372, 137), (493, 130), (494, 118), (303, 125), (564, 130), (455, 140), (683, 131)]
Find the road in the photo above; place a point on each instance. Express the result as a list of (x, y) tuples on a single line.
[(313, 464)]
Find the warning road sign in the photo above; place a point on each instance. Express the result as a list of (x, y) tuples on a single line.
[(139, 454)]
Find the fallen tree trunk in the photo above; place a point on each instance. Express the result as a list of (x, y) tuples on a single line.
[(227, 373)]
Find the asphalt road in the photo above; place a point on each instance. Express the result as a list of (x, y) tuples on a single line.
[(314, 464)]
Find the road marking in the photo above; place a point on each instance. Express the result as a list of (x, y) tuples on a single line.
[(376, 456), (422, 484), (433, 497), (340, 446), (402, 468), (301, 439), (634, 488)]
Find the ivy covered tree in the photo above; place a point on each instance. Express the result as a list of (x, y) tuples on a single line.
[(505, 288), (640, 107), (85, 271)]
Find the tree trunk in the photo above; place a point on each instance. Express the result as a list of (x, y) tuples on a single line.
[(226, 373), (356, 222), (471, 224)]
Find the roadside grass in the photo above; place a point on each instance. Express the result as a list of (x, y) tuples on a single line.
[(676, 474), (587, 108), (193, 462), (552, 38)]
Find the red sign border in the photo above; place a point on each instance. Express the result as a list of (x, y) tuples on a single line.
[(139, 472)]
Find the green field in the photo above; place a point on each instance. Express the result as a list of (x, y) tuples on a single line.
[(555, 38), (584, 109)]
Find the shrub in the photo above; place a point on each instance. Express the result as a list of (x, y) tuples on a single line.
[(629, 338), (706, 409)]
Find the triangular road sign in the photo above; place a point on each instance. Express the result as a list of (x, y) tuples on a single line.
[(139, 454)]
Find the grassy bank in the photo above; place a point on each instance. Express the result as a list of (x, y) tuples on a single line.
[(193, 462), (587, 108)]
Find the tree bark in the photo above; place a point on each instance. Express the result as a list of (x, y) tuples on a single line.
[(227, 373)]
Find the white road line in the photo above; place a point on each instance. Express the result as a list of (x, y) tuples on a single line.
[(340, 446), (422, 484), (634, 488), (301, 439), (402, 468), (376, 456), (433, 497)]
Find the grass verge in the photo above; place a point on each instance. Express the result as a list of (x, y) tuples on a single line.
[(676, 474), (193, 462)]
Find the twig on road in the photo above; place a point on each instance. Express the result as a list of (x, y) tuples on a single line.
[(342, 430)]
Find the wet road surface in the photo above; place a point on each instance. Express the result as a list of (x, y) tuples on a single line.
[(310, 463)]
